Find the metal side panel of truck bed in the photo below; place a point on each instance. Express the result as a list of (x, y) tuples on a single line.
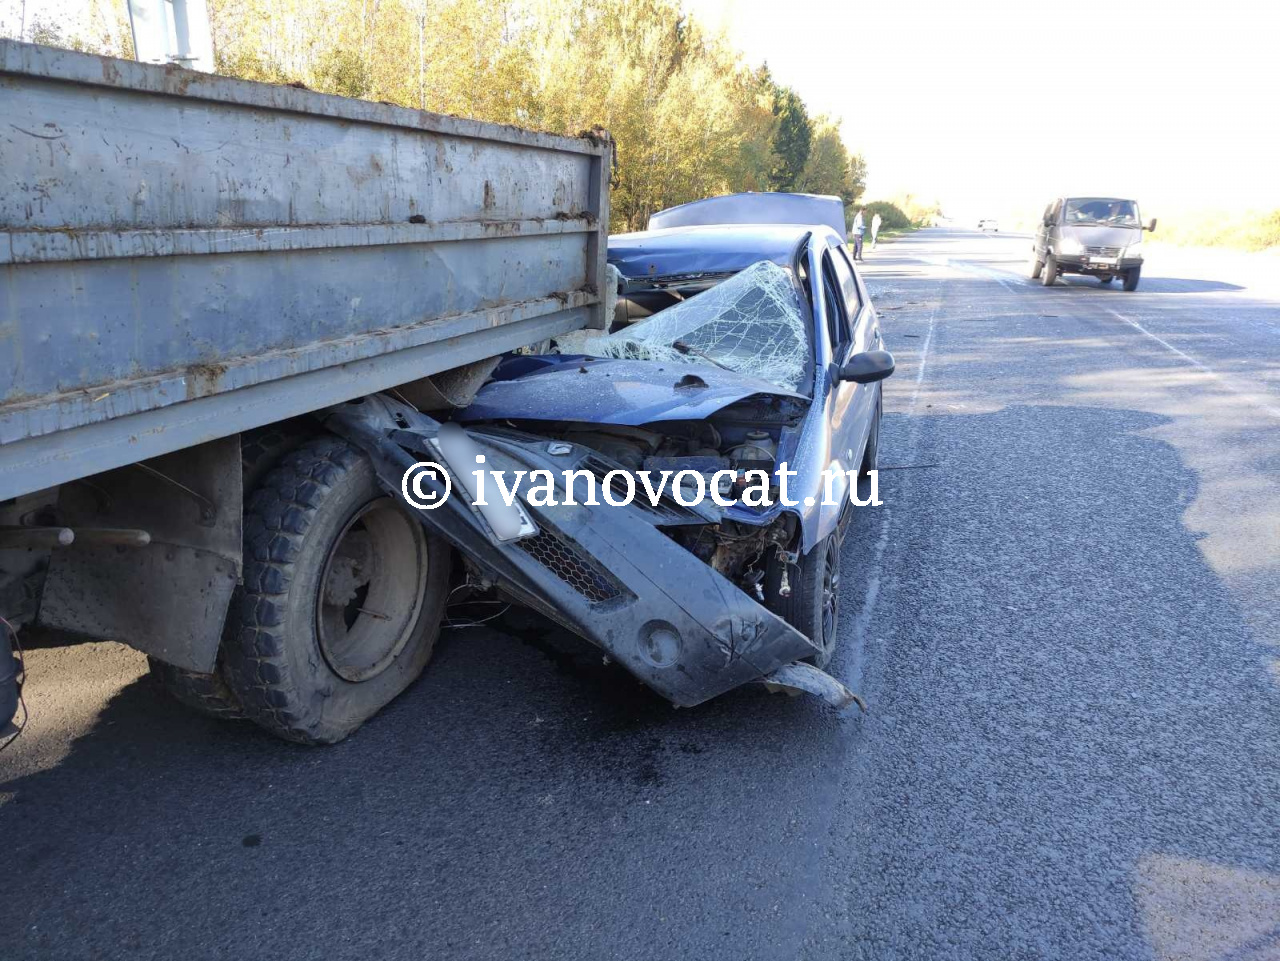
[(184, 256)]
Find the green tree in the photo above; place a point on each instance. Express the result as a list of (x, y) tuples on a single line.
[(791, 141), (690, 119), (855, 183), (831, 169), (892, 218)]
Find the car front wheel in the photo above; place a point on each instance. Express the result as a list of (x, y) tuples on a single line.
[(1050, 272), (871, 453), (813, 607), (1131, 278)]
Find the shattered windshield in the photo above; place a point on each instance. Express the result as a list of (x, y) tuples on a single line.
[(751, 323)]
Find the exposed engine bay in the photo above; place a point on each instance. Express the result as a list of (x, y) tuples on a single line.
[(744, 439)]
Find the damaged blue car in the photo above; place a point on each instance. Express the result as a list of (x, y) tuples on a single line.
[(739, 350)]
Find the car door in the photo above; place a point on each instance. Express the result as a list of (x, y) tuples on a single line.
[(864, 333), (840, 408), (853, 329)]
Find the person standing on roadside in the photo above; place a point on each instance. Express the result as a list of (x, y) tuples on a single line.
[(876, 221), (857, 232)]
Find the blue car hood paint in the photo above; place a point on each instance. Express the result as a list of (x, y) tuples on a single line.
[(623, 392)]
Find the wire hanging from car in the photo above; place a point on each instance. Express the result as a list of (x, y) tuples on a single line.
[(470, 622)]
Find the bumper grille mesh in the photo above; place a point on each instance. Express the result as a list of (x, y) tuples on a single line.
[(572, 565)]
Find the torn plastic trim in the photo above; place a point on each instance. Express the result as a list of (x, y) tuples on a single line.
[(679, 626), (805, 678), (460, 456)]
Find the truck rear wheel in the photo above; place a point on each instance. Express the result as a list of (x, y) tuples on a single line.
[(264, 448), (342, 601), (209, 694)]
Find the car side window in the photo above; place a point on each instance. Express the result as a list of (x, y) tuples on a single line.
[(849, 285), (833, 297)]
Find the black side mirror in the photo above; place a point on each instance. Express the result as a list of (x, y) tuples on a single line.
[(868, 367), (1151, 225)]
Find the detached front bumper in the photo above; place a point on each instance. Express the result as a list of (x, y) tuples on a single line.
[(607, 573)]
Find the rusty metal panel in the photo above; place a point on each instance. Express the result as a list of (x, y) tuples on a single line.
[(169, 237)]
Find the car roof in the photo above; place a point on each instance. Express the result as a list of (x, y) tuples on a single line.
[(769, 207), (717, 249)]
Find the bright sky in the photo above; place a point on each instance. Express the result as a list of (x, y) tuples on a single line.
[(995, 105)]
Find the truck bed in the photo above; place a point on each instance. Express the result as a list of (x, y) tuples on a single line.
[(186, 256)]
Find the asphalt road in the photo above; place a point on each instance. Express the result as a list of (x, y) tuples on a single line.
[(1066, 622)]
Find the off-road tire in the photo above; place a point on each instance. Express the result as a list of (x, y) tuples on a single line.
[(1049, 275), (274, 661), (1131, 277), (206, 693), (262, 449), (804, 609)]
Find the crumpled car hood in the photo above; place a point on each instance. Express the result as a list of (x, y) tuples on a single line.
[(623, 392)]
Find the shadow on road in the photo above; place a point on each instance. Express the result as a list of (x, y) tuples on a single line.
[(1156, 283), (1071, 744), (521, 800)]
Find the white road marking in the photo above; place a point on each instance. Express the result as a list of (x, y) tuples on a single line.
[(1199, 365), (862, 620)]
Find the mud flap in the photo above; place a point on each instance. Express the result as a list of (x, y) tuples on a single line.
[(607, 573)]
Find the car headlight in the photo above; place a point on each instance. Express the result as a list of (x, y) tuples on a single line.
[(1134, 250), (1069, 245)]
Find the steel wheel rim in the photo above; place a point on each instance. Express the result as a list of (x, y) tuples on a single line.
[(371, 591)]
